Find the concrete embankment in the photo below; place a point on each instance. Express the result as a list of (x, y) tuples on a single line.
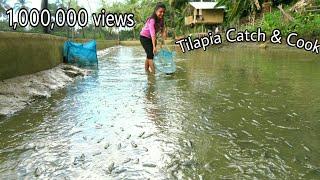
[(30, 68), (27, 53), (16, 93)]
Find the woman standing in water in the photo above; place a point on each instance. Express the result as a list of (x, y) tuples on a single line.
[(154, 24)]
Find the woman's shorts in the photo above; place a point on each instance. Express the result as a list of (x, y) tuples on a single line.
[(147, 46)]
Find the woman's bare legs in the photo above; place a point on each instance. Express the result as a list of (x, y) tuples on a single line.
[(146, 65), (151, 66)]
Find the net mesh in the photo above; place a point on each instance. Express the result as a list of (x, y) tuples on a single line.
[(163, 61), (82, 54)]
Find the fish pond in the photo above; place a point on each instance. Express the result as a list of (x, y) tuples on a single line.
[(227, 113)]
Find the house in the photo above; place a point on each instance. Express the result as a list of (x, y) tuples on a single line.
[(207, 13)]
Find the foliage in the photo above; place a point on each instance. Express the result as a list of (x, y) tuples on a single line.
[(174, 16), (237, 9), (142, 9), (21, 4), (307, 25)]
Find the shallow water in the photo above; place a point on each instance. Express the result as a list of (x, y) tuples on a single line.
[(227, 113)]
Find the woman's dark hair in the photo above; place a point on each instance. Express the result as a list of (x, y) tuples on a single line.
[(154, 15)]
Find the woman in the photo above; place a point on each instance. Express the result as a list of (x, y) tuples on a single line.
[(154, 24)]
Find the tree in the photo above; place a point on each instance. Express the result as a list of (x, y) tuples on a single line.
[(3, 7), (45, 5), (237, 8), (142, 9), (179, 8), (3, 17), (132, 7), (21, 4), (178, 3), (72, 4)]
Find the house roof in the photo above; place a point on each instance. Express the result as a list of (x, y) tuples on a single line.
[(206, 5)]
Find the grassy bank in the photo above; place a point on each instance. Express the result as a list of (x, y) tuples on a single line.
[(307, 25)]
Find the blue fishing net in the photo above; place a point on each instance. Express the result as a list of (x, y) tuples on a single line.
[(163, 61), (82, 54)]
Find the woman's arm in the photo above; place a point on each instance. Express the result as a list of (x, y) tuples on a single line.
[(151, 24), (154, 40)]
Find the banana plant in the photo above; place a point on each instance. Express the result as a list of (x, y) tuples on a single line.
[(236, 8)]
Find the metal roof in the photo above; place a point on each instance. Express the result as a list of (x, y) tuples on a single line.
[(206, 5)]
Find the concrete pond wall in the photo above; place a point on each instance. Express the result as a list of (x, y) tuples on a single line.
[(27, 53)]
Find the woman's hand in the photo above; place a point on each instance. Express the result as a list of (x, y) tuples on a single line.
[(154, 50), (154, 44)]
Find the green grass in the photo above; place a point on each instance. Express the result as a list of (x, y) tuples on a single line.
[(306, 25)]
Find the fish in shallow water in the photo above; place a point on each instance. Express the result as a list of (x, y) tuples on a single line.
[(111, 167), (107, 146), (134, 144)]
